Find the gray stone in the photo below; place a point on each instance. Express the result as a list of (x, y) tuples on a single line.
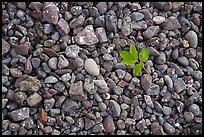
[(88, 123), (171, 23), (35, 62), (47, 129), (63, 27), (183, 61), (60, 86), (197, 75), (5, 70), (98, 128), (65, 77), (62, 62), (167, 110), (76, 10), (20, 114), (153, 52), (102, 7), (126, 28), (72, 51), (193, 63), (120, 73), (111, 21), (89, 86), (52, 63), (161, 59), (138, 113), (115, 108), (148, 101), (5, 47), (150, 32), (51, 80), (139, 25), (101, 34), (146, 81), (194, 109), (107, 57), (100, 83), (70, 106), (188, 116), (4, 101), (169, 129), (76, 91), (130, 121), (136, 16), (48, 104), (14, 127), (157, 129), (34, 99), (54, 112), (158, 107), (87, 36), (141, 125), (154, 89), (192, 38), (168, 81), (20, 97), (91, 67), (177, 68), (179, 85), (77, 22), (67, 15), (100, 21), (47, 28)]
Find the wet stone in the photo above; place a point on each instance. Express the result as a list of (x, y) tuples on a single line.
[(63, 27), (171, 23), (194, 109), (51, 80), (91, 67), (169, 129), (76, 10)]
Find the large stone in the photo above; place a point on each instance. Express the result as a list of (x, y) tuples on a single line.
[(127, 28), (29, 84), (87, 36), (91, 67), (20, 114), (146, 81), (101, 34), (76, 91)]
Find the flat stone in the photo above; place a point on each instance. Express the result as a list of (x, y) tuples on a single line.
[(20, 114), (48, 104), (139, 25), (91, 67), (183, 61), (150, 32), (70, 106), (194, 108), (126, 28), (169, 129), (136, 16), (158, 19), (63, 27), (109, 124), (146, 81), (34, 99), (179, 85), (171, 23), (87, 36), (76, 91)]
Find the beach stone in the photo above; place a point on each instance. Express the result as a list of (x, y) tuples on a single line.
[(109, 124), (52, 63), (34, 99), (20, 114), (169, 129), (150, 32), (126, 26), (62, 62), (51, 80), (72, 51), (115, 108), (158, 19), (179, 85), (111, 21), (171, 23), (194, 109), (63, 27), (76, 10), (5, 46), (91, 67)]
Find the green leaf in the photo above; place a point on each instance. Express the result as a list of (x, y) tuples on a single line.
[(137, 68), (128, 62), (133, 52), (144, 55), (127, 58)]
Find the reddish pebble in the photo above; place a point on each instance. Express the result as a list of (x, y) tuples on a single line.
[(42, 116), (109, 124), (50, 12), (23, 49), (15, 72)]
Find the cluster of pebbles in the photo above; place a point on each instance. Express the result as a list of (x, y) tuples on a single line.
[(61, 71)]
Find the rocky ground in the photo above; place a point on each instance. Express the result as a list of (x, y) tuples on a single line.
[(61, 71)]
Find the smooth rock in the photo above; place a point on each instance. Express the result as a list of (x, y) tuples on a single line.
[(5, 46), (183, 61), (102, 7), (52, 63), (179, 85), (48, 104), (137, 16), (76, 10), (188, 116), (168, 81), (63, 27), (150, 32), (20, 114), (169, 129), (91, 67), (171, 23), (158, 19), (50, 12), (194, 108), (192, 38), (51, 80), (72, 51), (115, 108), (109, 124), (62, 62), (34, 99)]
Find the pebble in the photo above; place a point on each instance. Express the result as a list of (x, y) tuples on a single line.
[(50, 12), (179, 85), (34, 99), (192, 39), (138, 113), (29, 84), (100, 21), (153, 90), (5, 46), (101, 34), (111, 21), (49, 43), (126, 28), (76, 10), (100, 83), (194, 109), (87, 36), (72, 51), (62, 62), (169, 129), (48, 104), (141, 125), (120, 73), (158, 19), (47, 28), (153, 52), (4, 101), (47, 129), (115, 108), (76, 91), (20, 114), (150, 32), (161, 59), (179, 71), (193, 63), (63, 27), (157, 129), (109, 124), (188, 116), (167, 110), (15, 72), (98, 128), (52, 63), (51, 80), (171, 23), (139, 25), (91, 67), (14, 127), (23, 49), (137, 16), (158, 107), (168, 81), (102, 7), (183, 61), (35, 62), (146, 81), (43, 116), (148, 101), (55, 36), (197, 75)]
